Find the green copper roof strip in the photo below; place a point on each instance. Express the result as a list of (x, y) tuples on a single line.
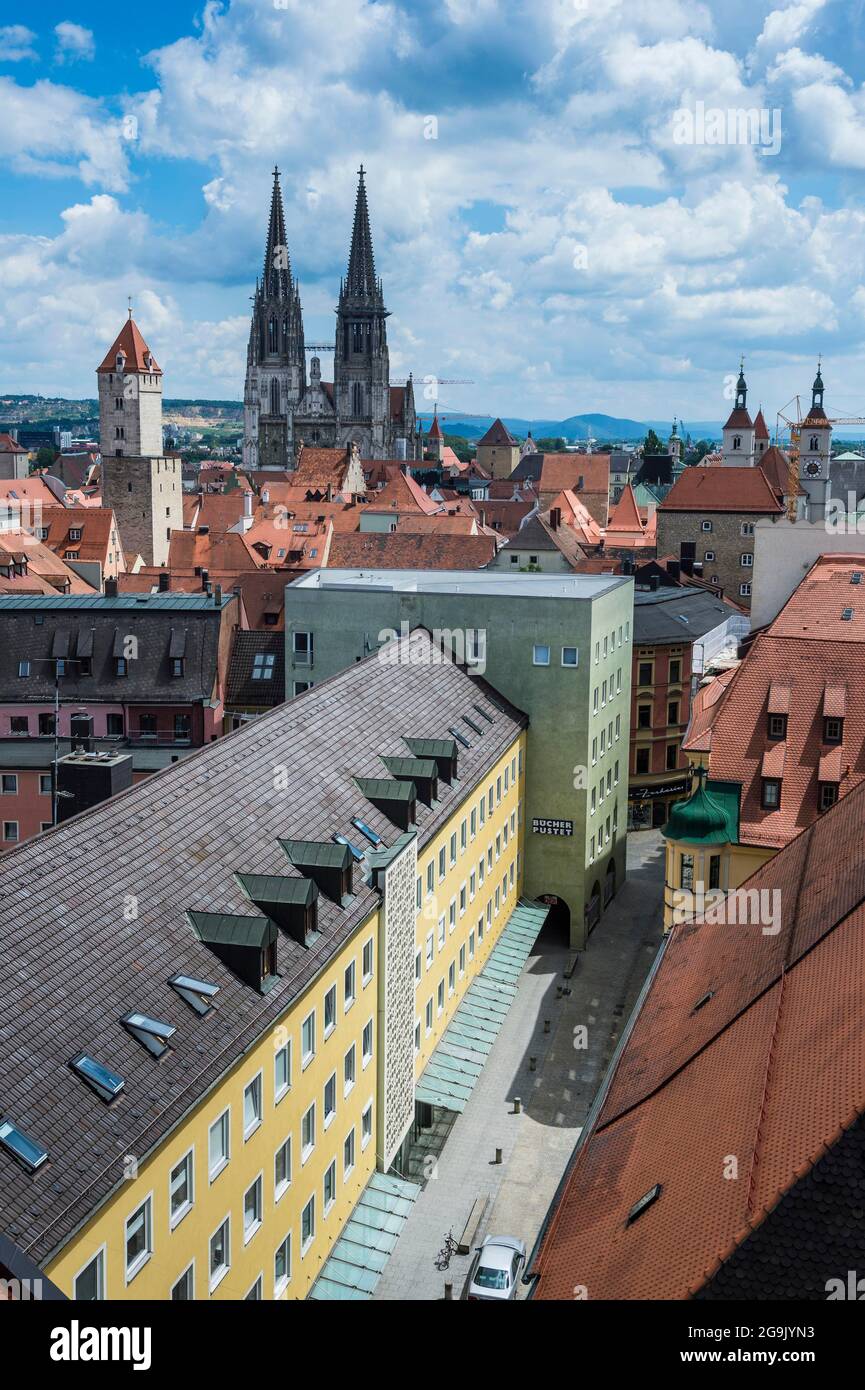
[(354, 1266)]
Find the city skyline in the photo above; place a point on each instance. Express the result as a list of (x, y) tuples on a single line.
[(622, 268)]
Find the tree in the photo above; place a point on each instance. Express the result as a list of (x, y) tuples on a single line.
[(44, 458), (652, 444), (549, 445), (700, 450)]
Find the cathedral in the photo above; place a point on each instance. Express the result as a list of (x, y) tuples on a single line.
[(286, 405)]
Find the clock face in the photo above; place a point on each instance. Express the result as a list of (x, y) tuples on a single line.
[(813, 468)]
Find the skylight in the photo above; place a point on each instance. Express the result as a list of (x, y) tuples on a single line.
[(483, 713), (460, 738), (847, 615), (106, 1083), (32, 1155), (366, 830), (149, 1032), (645, 1201), (703, 1000), (356, 853), (198, 994), (476, 728), (856, 577)]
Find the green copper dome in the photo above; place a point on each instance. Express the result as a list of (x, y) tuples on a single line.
[(701, 820)]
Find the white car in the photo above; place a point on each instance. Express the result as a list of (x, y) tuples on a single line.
[(496, 1268)]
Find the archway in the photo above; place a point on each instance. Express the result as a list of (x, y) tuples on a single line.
[(610, 883), (556, 931)]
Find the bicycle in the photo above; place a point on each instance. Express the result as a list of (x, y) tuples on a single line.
[(447, 1252)]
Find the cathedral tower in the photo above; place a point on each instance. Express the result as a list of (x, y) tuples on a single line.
[(143, 487), (361, 362), (276, 366)]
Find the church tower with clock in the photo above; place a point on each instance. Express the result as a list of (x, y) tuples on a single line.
[(815, 452)]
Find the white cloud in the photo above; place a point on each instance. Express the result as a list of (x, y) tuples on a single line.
[(51, 130), (74, 43), (16, 43)]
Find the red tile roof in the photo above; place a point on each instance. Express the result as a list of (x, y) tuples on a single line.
[(705, 708), (739, 420), (498, 436), (130, 342), (770, 1068), (760, 430), (807, 648), (411, 550), (8, 445), (435, 429), (700, 489), (97, 527)]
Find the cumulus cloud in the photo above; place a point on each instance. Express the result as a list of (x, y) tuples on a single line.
[(74, 43), (16, 43)]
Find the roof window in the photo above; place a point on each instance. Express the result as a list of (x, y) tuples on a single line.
[(644, 1203), (106, 1083), (31, 1154), (198, 994), (150, 1032)]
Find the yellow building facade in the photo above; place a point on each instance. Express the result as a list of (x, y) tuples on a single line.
[(249, 1193)]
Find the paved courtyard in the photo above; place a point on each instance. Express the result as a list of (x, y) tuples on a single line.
[(556, 1096)]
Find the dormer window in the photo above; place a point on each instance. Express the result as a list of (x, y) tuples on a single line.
[(770, 798), (119, 360), (777, 726), (833, 730)]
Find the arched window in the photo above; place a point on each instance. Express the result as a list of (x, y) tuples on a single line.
[(284, 335), (815, 444), (737, 441), (357, 398), (274, 397), (271, 335)]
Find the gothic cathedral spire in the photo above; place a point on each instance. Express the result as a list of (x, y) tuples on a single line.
[(361, 361)]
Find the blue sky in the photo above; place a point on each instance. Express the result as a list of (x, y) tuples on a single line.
[(546, 221)]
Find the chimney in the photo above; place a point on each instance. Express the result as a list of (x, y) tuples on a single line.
[(265, 495), (655, 583), (247, 506), (111, 588), (204, 578), (556, 518), (581, 483), (164, 582), (217, 595)]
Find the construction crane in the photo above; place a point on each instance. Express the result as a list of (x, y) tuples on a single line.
[(794, 425)]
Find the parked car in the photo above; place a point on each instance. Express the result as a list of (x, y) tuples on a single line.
[(496, 1268)]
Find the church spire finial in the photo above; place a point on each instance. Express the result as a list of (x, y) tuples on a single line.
[(276, 280)]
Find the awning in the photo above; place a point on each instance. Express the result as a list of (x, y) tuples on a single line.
[(355, 1264), (449, 1077)]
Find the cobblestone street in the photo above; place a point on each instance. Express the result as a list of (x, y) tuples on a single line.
[(556, 1097)]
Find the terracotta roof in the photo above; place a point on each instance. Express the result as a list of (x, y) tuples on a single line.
[(748, 1043), (321, 467), (226, 550), (739, 419), (96, 525), (46, 572), (505, 516), (575, 516), (760, 430), (435, 429), (403, 549), (700, 489), (705, 708), (402, 493), (262, 591), (130, 342), (8, 445), (564, 471), (32, 489), (498, 436), (807, 648), (775, 463), (625, 516)]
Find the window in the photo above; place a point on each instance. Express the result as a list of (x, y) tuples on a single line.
[(329, 1099), (330, 1011), (473, 823), (307, 1039), (348, 1154), (714, 871), (45, 787), (673, 712), (833, 731), (307, 1226), (218, 1145), (19, 724), (540, 655), (23, 668), (642, 762), (350, 982), (307, 1133), (428, 1017), (263, 664), (430, 949), (569, 656), (430, 879), (644, 716), (453, 848), (675, 672), (282, 1170), (281, 1072), (139, 1240), (180, 1191), (89, 1285), (9, 784), (252, 1106), (184, 1290), (777, 726), (828, 795), (452, 978), (255, 1294), (746, 560), (463, 836), (366, 1125), (441, 932), (672, 756), (302, 648), (463, 894), (686, 873), (329, 1187), (644, 676), (366, 1044), (282, 1267), (440, 998), (348, 1070), (705, 525), (744, 590), (252, 1210), (747, 528), (462, 960), (220, 1253), (771, 796)]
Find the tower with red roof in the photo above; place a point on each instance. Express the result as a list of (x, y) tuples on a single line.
[(739, 446)]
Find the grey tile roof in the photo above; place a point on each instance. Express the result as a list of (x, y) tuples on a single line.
[(72, 964), (241, 690), (99, 628)]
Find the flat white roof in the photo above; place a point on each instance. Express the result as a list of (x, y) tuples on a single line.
[(585, 586)]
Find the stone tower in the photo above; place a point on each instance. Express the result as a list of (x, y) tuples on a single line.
[(739, 439), (815, 452), (275, 361), (361, 362), (143, 487)]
